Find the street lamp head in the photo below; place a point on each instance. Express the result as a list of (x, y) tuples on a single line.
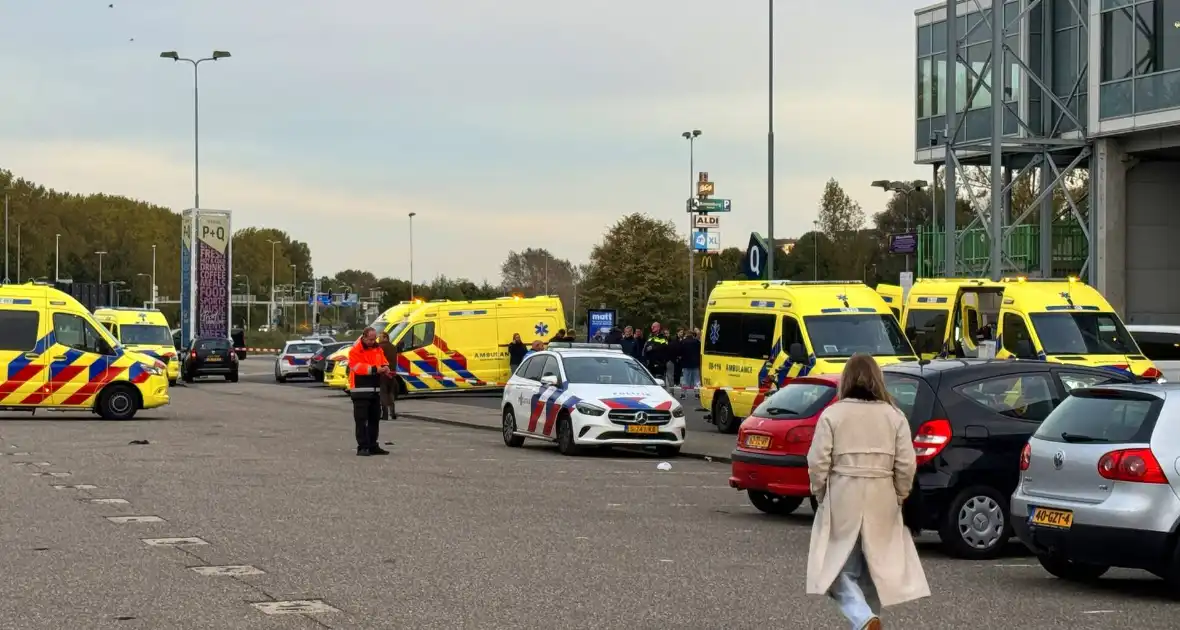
[(101, 253), (413, 214), (696, 133), (921, 184), (220, 54), (171, 54), (883, 184)]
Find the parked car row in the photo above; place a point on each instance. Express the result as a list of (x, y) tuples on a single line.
[(1081, 463)]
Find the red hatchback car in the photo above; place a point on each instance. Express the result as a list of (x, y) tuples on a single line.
[(770, 461)]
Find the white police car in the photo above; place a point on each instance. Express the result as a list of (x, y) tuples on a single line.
[(586, 394)]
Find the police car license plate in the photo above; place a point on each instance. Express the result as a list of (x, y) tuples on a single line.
[(1045, 517), (645, 429)]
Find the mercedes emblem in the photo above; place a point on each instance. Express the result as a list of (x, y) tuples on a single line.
[(640, 418), (1059, 459)]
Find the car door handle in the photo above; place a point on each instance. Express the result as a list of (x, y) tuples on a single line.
[(60, 357), (31, 355)]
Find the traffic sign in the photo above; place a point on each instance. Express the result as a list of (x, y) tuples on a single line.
[(709, 205), (704, 221), (706, 240), (757, 253), (705, 189)]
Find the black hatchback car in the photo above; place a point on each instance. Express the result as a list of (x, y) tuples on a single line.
[(970, 419), (319, 362), (210, 356)]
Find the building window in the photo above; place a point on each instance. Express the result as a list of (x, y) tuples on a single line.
[(1156, 92), (1168, 36), (977, 56), (939, 91), (1114, 100), (1117, 44), (1145, 31), (924, 40), (938, 37), (925, 88)]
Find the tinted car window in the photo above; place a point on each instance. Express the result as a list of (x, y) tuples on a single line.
[(1159, 346), (606, 371), (796, 400), (932, 322), (73, 332), (1083, 333), (1021, 396), (1076, 380), (18, 330), (303, 348), (1102, 417), (532, 368), (904, 390), (743, 335), (213, 344)]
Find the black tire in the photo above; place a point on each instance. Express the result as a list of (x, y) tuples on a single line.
[(508, 428), (279, 378), (118, 402), (1069, 570), (774, 503), (723, 415), (976, 525), (667, 451), (233, 378), (172, 382), (189, 378), (565, 436)]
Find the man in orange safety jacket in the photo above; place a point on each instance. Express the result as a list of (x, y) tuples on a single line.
[(367, 365)]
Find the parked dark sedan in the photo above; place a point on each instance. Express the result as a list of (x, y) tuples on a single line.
[(318, 362), (210, 356), (970, 420)]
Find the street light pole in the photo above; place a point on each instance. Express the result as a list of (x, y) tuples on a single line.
[(18, 253), (6, 278), (270, 314), (56, 259), (814, 250), (412, 215), (691, 136), (100, 255), (217, 54), (770, 144), (153, 288), (294, 308)]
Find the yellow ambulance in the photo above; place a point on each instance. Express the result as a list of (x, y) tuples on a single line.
[(397, 313), (463, 344), (893, 296), (336, 369), (757, 335), (1066, 321), (55, 355), (145, 331)]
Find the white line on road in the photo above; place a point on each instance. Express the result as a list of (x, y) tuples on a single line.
[(135, 519)]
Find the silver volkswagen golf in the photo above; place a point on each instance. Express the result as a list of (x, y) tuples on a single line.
[(1099, 482)]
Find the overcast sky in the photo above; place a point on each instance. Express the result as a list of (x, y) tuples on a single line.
[(504, 125)]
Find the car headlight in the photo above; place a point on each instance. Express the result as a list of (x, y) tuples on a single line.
[(678, 412), (589, 410), (154, 370)]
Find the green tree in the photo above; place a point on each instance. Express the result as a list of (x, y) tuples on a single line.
[(538, 272), (639, 270)]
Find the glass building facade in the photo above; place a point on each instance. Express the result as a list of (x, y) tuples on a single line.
[(1051, 42), (1140, 57)]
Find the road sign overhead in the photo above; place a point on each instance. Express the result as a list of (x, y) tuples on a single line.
[(701, 221), (713, 205)]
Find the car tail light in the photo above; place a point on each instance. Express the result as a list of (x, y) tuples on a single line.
[(931, 438), (233, 356), (800, 434), (1025, 456), (318, 357), (1136, 465), (288, 359), (194, 354), (1152, 374)]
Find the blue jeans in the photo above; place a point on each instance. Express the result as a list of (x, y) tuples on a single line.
[(854, 591), (690, 377)]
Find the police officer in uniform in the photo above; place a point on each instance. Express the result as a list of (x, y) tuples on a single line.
[(656, 352), (367, 365)]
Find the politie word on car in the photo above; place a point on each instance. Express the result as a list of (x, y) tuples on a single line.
[(770, 460), (55, 355), (583, 395), (759, 335), (970, 419), (1099, 484)]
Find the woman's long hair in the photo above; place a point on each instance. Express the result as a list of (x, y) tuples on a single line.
[(862, 380)]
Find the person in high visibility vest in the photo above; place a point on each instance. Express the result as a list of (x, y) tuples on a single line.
[(367, 365)]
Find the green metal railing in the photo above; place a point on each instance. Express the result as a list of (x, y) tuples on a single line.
[(1022, 251)]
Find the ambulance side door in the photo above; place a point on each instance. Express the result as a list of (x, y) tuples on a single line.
[(81, 362), (24, 356)]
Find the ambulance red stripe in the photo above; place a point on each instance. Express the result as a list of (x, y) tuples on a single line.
[(20, 378), (90, 389)]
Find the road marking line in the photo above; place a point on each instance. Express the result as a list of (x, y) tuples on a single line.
[(108, 501), (80, 486), (295, 607), (135, 519), (173, 542), (230, 570)]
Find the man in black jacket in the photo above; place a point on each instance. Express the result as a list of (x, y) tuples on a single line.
[(690, 364), (628, 341)]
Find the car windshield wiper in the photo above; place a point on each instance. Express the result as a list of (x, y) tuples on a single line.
[(1075, 438), (780, 411)]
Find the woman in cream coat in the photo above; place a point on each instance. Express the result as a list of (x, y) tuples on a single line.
[(861, 465)]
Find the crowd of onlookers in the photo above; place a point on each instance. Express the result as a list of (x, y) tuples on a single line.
[(678, 356)]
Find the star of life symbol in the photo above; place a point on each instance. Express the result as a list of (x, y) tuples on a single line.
[(715, 331), (541, 329)]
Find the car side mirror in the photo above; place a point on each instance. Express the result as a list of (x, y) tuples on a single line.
[(1024, 349), (549, 379), (796, 353), (660, 382)]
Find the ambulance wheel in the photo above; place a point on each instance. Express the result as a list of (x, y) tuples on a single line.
[(723, 415), (118, 402), (509, 428), (565, 436)]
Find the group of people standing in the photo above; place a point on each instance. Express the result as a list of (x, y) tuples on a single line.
[(661, 353)]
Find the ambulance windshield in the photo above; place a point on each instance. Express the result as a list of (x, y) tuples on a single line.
[(145, 335), (844, 335), (1083, 333)]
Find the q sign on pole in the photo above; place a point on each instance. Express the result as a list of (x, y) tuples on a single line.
[(757, 256)]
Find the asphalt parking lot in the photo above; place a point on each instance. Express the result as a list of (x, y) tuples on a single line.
[(453, 530)]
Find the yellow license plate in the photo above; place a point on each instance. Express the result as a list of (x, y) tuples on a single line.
[(758, 441), (645, 429), (1044, 517), (213, 359)]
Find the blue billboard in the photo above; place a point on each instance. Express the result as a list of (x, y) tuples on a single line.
[(599, 322)]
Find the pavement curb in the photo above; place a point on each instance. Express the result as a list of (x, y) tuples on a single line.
[(459, 423)]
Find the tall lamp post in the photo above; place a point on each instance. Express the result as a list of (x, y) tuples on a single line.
[(770, 143), (294, 308), (249, 297), (270, 315), (814, 250), (906, 189), (100, 255), (412, 215), (153, 288), (691, 136), (56, 259)]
